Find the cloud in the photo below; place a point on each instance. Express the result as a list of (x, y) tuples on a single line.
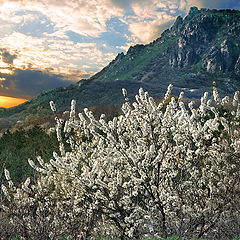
[(59, 34), (29, 83), (151, 18), (201, 4), (52, 48), (124, 4), (83, 17), (7, 57), (62, 56), (148, 31), (125, 47)]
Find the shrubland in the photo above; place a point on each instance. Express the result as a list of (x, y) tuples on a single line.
[(19, 145), (157, 170)]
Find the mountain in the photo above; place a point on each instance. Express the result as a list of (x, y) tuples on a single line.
[(197, 50)]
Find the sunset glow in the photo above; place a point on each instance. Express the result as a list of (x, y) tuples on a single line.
[(7, 102)]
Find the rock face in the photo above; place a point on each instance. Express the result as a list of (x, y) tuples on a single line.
[(207, 37), (197, 50)]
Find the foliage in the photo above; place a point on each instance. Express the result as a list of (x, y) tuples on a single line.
[(154, 171), (19, 145), (169, 238)]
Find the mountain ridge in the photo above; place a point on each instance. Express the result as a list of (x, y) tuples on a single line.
[(201, 48)]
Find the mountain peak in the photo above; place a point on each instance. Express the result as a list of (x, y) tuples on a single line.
[(193, 11)]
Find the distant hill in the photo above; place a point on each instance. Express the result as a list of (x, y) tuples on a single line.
[(197, 50)]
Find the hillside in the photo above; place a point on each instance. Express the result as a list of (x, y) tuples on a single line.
[(197, 50)]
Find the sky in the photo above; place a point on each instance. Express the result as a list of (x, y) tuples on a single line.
[(46, 44)]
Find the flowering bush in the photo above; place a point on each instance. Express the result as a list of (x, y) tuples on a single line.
[(156, 170)]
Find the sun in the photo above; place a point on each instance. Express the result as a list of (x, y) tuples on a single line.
[(7, 102)]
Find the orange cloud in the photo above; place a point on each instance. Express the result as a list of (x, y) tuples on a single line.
[(147, 31), (7, 102)]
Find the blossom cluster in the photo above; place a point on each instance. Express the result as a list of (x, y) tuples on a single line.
[(154, 171)]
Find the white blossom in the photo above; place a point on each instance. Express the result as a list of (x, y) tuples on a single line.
[(153, 171), (52, 105)]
